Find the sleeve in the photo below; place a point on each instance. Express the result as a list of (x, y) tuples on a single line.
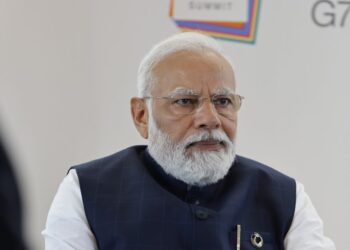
[(66, 226), (306, 231)]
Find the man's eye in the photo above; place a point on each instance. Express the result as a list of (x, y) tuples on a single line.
[(185, 101), (222, 101)]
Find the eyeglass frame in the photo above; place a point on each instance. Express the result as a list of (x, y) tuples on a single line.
[(200, 100)]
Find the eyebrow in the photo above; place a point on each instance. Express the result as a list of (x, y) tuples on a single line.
[(224, 91), (183, 91), (186, 91)]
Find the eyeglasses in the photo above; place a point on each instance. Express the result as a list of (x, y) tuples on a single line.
[(225, 105)]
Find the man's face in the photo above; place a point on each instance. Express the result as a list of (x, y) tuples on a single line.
[(204, 74)]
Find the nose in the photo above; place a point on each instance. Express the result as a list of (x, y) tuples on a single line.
[(206, 116)]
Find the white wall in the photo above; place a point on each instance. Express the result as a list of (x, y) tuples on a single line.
[(68, 69)]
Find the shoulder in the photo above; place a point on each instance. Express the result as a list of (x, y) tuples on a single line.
[(66, 224), (257, 168), (263, 177), (128, 155)]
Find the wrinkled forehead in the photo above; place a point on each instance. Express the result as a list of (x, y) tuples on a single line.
[(194, 72)]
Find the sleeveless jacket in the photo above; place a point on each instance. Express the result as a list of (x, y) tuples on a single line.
[(128, 207)]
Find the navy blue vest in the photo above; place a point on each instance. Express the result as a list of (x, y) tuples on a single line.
[(130, 206)]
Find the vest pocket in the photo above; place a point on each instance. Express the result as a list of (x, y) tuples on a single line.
[(253, 240)]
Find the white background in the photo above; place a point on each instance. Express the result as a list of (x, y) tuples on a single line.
[(68, 69)]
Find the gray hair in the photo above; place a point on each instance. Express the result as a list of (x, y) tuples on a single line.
[(187, 41)]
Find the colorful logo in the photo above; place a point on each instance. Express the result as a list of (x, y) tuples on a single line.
[(229, 20)]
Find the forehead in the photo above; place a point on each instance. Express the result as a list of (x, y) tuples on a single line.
[(201, 72)]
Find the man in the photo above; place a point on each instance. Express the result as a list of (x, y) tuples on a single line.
[(187, 189)]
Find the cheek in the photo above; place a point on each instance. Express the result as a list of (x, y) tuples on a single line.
[(176, 129), (230, 129)]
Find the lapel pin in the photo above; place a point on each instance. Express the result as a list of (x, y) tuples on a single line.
[(257, 240)]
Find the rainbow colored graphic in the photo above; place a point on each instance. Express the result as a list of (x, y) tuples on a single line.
[(232, 31)]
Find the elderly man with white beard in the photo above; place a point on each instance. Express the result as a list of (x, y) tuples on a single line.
[(187, 189)]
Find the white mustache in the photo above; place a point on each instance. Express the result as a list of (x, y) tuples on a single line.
[(213, 135)]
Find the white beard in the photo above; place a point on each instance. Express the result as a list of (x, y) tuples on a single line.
[(198, 168)]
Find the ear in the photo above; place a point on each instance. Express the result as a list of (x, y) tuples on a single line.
[(139, 114)]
